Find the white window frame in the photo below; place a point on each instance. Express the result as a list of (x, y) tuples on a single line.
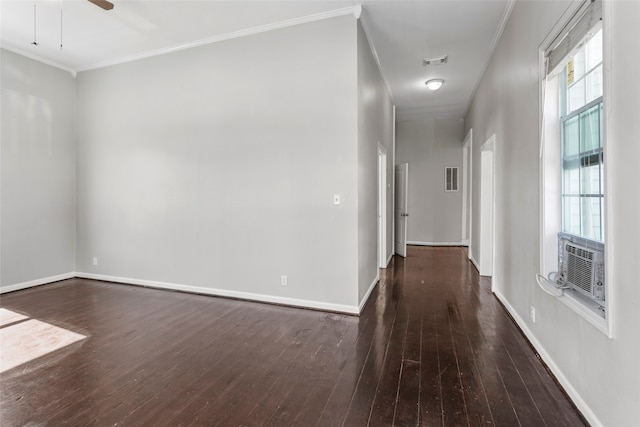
[(576, 114), (551, 181)]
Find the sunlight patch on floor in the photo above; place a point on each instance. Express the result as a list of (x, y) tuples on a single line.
[(30, 339), (8, 316)]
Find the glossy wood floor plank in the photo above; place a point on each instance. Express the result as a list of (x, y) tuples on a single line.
[(433, 347), (430, 381)]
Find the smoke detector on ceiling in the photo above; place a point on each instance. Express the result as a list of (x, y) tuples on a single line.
[(438, 60)]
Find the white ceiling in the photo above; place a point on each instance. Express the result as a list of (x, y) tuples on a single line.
[(401, 32)]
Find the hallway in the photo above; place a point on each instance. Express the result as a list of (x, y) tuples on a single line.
[(432, 347)]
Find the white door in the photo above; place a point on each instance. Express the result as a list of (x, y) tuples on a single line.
[(400, 210)]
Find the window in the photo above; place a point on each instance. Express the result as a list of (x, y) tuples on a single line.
[(572, 152), (581, 148)]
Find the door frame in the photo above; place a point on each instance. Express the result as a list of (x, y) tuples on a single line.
[(382, 206), (487, 207), (467, 190)]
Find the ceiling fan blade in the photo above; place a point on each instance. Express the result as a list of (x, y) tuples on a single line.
[(106, 5)]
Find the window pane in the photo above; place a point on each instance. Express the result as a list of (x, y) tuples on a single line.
[(571, 215), (578, 65), (590, 179), (591, 217), (576, 95), (590, 129), (594, 50), (582, 136), (594, 84), (571, 181), (571, 140)]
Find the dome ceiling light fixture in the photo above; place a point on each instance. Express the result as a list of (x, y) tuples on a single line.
[(434, 84)]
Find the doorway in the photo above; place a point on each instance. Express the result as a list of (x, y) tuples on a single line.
[(467, 189), (382, 206), (487, 186)]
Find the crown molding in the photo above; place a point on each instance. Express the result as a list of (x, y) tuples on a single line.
[(357, 11), (363, 20), (31, 55), (492, 49), (351, 10)]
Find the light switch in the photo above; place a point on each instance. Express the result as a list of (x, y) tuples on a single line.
[(336, 200)]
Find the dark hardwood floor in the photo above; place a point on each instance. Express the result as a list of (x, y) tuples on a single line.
[(433, 347)]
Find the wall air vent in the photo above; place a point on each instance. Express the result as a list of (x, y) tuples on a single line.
[(451, 178)]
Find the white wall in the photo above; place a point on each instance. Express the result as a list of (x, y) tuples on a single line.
[(429, 145), (214, 167), (375, 124), (37, 172), (602, 375)]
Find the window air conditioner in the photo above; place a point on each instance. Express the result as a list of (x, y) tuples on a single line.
[(581, 266)]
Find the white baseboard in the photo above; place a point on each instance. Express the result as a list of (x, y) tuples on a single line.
[(415, 243), (293, 302), (389, 259), (37, 282), (546, 358), (368, 294), (474, 262)]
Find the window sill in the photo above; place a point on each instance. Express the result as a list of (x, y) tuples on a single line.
[(587, 309)]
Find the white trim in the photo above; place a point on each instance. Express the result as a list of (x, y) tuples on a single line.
[(474, 262), (492, 49), (39, 58), (382, 205), (368, 294), (37, 282), (351, 10), (389, 259), (417, 243), (610, 188), (467, 187), (293, 302), (393, 187), (546, 358), (374, 52), (357, 11), (488, 265), (470, 195)]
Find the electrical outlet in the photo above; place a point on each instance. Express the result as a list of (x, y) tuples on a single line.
[(533, 314), (95, 260), (283, 280)]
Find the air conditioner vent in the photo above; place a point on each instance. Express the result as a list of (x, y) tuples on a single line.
[(580, 252), (580, 269), (581, 266)]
